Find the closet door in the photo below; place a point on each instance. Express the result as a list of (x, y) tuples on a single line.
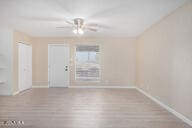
[(28, 66), (25, 67)]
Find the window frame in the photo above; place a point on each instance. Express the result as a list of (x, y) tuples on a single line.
[(84, 81)]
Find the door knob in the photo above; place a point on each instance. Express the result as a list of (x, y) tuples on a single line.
[(66, 68)]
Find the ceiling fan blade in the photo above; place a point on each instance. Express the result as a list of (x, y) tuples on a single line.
[(68, 27), (91, 25), (96, 26), (92, 29), (68, 22)]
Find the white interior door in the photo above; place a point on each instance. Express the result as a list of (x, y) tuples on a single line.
[(25, 66), (58, 66)]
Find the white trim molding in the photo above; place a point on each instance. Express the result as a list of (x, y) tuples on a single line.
[(177, 114), (91, 86)]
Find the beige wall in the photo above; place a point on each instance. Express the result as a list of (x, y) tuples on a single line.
[(23, 38), (117, 60), (164, 64)]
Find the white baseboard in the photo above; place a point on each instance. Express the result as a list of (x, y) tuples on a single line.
[(177, 114), (40, 86), (91, 86)]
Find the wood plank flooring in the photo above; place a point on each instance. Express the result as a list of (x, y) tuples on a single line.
[(85, 108)]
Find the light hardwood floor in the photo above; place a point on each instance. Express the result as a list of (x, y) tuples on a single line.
[(85, 108)]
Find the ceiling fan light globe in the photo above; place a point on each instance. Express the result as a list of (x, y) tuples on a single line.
[(80, 31), (75, 31)]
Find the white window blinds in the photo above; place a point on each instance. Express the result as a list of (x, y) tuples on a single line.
[(87, 63)]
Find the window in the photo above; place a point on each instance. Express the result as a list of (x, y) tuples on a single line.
[(87, 63)]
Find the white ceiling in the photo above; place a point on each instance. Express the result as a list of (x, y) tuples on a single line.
[(118, 17)]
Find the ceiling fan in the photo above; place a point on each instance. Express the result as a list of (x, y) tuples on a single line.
[(78, 25)]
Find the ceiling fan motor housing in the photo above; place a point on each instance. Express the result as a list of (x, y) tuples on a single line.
[(79, 22)]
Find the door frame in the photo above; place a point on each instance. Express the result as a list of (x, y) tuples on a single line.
[(49, 46)]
